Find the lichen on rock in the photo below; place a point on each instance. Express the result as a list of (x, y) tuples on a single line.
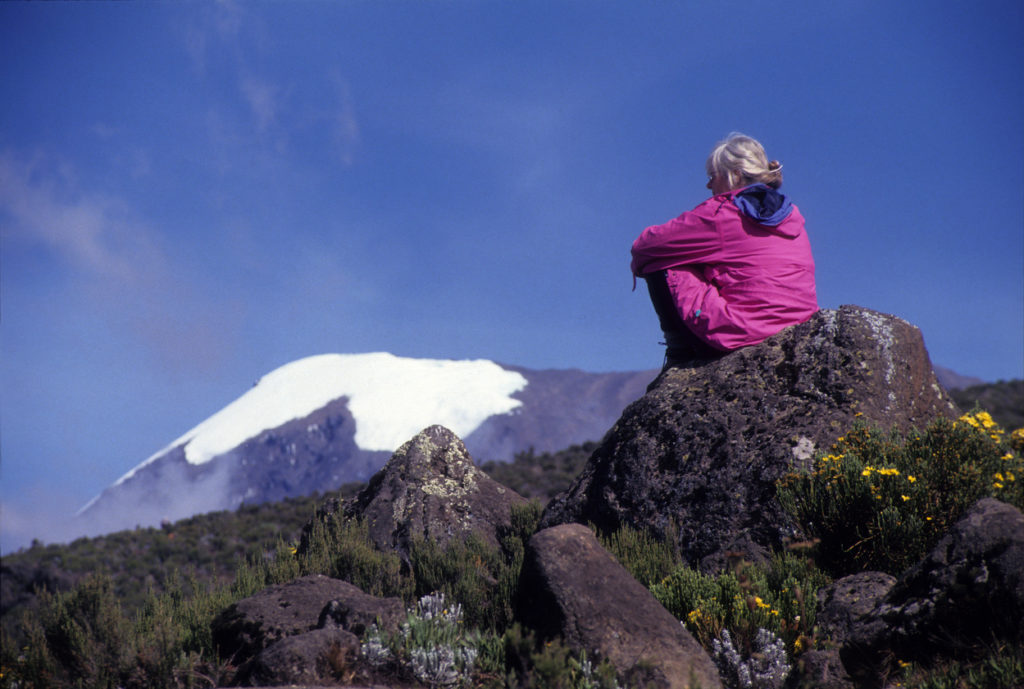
[(431, 488), (702, 450)]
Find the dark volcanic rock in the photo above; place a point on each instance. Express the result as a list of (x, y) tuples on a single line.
[(572, 586), (819, 669), (706, 445), (849, 600), (321, 657), (247, 627), (431, 488), (356, 611), (968, 591)]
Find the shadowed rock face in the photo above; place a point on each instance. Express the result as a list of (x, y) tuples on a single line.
[(705, 446), (430, 488), (968, 590)]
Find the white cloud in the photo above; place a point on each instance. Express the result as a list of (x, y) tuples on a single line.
[(117, 259), (94, 232), (262, 99), (345, 125)]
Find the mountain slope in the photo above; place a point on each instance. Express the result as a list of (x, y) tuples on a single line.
[(319, 422)]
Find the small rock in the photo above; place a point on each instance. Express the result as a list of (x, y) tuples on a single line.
[(819, 670), (847, 601)]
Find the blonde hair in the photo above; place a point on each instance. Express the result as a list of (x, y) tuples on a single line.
[(742, 161)]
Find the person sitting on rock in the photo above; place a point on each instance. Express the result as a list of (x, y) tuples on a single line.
[(735, 269)]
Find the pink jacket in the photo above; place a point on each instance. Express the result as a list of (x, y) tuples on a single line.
[(739, 266)]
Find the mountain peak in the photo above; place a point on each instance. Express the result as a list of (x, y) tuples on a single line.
[(459, 394)]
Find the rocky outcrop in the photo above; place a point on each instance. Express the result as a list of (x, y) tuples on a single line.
[(968, 591), (573, 588), (820, 669), (431, 489), (301, 631), (846, 603), (705, 446), (319, 657)]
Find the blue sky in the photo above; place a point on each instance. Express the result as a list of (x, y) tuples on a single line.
[(193, 194)]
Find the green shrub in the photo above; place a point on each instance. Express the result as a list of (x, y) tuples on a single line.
[(880, 501), (1004, 400), (342, 548), (531, 664), (464, 570), (779, 597), (481, 577), (78, 638), (649, 558), (998, 668)]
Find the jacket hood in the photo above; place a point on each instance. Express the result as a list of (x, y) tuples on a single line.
[(764, 205)]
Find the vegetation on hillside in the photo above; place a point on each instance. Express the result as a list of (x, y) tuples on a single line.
[(1003, 400), (142, 618), (541, 477)]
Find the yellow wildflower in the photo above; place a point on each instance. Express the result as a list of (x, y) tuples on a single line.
[(905, 497), (967, 418), (911, 478)]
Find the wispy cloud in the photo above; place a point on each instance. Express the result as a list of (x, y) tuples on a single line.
[(117, 258), (345, 130), (262, 97), (93, 232)]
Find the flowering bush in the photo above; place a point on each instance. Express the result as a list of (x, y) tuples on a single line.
[(880, 501), (779, 597), (432, 644)]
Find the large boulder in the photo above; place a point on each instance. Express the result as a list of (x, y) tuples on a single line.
[(430, 488), (702, 450), (572, 587), (245, 629), (967, 592), (319, 657)]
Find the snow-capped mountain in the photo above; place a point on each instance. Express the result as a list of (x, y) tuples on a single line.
[(316, 423)]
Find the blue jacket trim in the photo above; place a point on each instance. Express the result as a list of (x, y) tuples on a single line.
[(763, 204)]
